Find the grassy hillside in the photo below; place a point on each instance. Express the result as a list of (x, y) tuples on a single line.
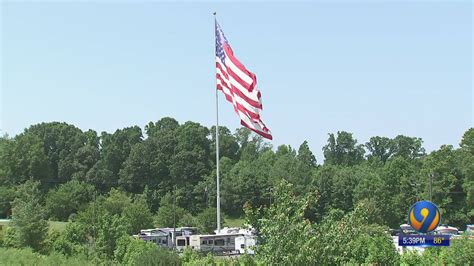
[(53, 225)]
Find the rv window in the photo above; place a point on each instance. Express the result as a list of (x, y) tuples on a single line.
[(181, 242), (204, 242), (211, 242), (242, 245), (219, 242)]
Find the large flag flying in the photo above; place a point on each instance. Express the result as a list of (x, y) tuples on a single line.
[(239, 86)]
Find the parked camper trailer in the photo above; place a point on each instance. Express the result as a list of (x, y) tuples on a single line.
[(222, 243), (155, 236), (165, 237), (245, 244), (182, 242)]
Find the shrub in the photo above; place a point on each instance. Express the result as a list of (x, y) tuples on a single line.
[(9, 237), (26, 256), (207, 220), (68, 199), (131, 251), (28, 216), (411, 257), (137, 216)]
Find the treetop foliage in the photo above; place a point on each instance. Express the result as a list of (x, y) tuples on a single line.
[(172, 159)]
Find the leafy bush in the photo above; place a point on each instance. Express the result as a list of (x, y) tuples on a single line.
[(68, 198), (132, 251), (116, 202), (411, 257), (26, 256), (28, 216), (109, 228), (9, 238), (207, 220), (168, 213), (137, 216), (460, 252), (288, 238), (7, 195)]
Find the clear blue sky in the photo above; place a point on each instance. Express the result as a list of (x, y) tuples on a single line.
[(369, 67)]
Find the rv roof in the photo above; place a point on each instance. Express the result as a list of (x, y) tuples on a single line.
[(221, 235)]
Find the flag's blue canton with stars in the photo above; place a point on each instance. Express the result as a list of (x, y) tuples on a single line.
[(219, 45)]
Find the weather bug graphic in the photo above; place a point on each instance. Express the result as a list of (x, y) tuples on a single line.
[(424, 216)]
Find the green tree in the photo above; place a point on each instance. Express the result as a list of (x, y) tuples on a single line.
[(7, 195), (381, 148), (206, 221), (28, 216), (138, 252), (137, 216), (251, 144), (68, 198), (446, 168), (246, 181), (64, 146), (164, 125), (72, 240), (168, 214), (408, 147), (284, 231), (115, 149), (228, 146), (116, 202), (109, 228), (24, 158), (343, 150), (148, 164)]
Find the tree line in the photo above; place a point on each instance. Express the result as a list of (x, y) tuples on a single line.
[(172, 160), (109, 186)]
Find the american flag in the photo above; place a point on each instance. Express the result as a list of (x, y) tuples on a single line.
[(239, 86)]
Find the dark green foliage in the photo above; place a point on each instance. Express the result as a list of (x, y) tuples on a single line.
[(343, 150), (25, 158), (289, 238), (449, 191), (460, 252), (115, 149), (228, 146), (169, 214), (70, 152), (206, 221), (7, 195), (380, 148), (110, 185), (68, 198)]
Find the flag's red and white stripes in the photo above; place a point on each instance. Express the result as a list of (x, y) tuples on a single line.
[(239, 86)]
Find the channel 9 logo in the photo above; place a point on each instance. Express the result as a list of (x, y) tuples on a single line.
[(424, 216)]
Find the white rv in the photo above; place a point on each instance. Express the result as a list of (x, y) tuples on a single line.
[(222, 243), (245, 244)]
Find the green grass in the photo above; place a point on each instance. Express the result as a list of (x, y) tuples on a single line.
[(53, 225), (58, 226), (234, 222)]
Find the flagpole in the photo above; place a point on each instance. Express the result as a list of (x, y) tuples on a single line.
[(217, 158)]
